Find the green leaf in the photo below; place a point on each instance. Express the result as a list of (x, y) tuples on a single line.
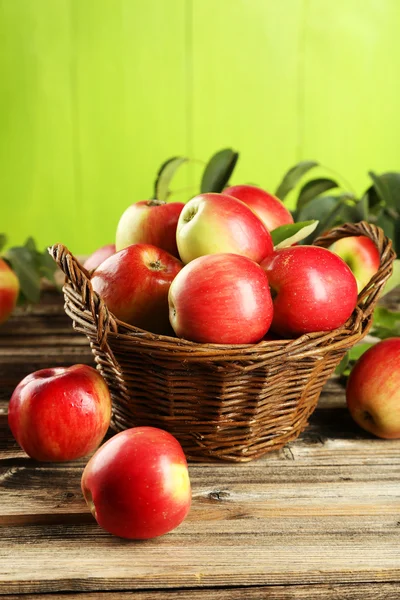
[(165, 176), (384, 317), (293, 176), (386, 223), (3, 241), (287, 235), (342, 366), (30, 244), (387, 187), (314, 188), (394, 280), (218, 170), (24, 264), (47, 266), (358, 350)]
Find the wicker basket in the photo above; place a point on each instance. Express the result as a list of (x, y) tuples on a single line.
[(221, 401)]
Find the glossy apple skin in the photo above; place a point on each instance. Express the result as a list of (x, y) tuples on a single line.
[(272, 212), (60, 414), (134, 283), (373, 389), (150, 222), (137, 484), (221, 299), (312, 289), (362, 256), (9, 290), (99, 256), (217, 223)]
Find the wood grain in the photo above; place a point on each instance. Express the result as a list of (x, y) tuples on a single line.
[(318, 519), (336, 591)]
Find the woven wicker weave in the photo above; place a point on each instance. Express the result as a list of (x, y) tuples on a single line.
[(222, 402)]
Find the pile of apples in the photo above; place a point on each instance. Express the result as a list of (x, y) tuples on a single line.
[(207, 271)]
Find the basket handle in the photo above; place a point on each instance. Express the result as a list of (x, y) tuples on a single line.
[(79, 278), (368, 296)]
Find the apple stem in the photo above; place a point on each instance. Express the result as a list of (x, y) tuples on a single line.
[(155, 202)]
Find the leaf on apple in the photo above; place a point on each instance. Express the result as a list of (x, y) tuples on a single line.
[(165, 176), (287, 235), (218, 171), (293, 176), (314, 188), (3, 241), (394, 279)]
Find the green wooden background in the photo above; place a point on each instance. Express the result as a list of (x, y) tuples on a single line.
[(95, 94)]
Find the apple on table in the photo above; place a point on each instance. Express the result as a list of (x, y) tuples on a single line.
[(373, 389), (61, 413), (137, 484), (9, 290)]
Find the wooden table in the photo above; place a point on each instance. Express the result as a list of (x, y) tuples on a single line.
[(319, 519)]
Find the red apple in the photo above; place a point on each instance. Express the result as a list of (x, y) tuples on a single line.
[(134, 284), (362, 256), (312, 290), (373, 389), (9, 290), (60, 414), (137, 484), (150, 222), (216, 223), (272, 212), (99, 256), (221, 299)]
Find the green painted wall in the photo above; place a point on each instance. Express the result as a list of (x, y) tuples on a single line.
[(95, 94)]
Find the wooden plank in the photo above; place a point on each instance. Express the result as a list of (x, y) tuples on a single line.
[(336, 591)]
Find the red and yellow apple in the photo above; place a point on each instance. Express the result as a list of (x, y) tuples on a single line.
[(373, 389), (221, 299), (9, 290), (216, 223), (99, 256), (134, 283), (137, 484), (272, 212), (60, 414), (150, 222), (312, 290), (362, 256)]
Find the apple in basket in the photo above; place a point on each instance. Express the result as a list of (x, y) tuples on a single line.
[(373, 389), (272, 212), (312, 290), (137, 484), (134, 283), (362, 256), (60, 414), (216, 223), (150, 222), (99, 256), (221, 299), (9, 290)]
